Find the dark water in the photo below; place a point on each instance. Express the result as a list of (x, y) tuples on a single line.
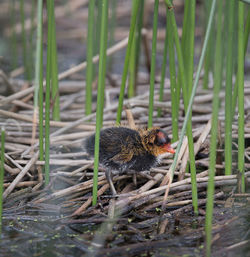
[(28, 232)]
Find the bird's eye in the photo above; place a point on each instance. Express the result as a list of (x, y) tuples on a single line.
[(161, 139)]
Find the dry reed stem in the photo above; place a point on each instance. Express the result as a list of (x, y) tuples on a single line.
[(20, 175)]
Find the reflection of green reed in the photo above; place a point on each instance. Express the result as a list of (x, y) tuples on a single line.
[(1, 176)]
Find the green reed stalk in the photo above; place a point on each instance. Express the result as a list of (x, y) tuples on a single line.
[(163, 67), (138, 39), (24, 44), (186, 102), (2, 175), (229, 75), (132, 68), (38, 83), (135, 8), (135, 53), (196, 81), (153, 64), (214, 128), (240, 73), (112, 25), (47, 93), (54, 67), (208, 58), (31, 34), (100, 93), (13, 35), (98, 13), (90, 53), (188, 47), (173, 84), (246, 37)]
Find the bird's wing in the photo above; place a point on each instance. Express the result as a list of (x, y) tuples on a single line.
[(123, 157)]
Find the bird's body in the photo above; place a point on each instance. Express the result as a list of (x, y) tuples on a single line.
[(123, 149)]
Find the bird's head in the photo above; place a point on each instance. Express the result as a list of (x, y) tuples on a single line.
[(157, 141)]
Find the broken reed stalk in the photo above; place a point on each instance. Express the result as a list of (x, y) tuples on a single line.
[(241, 112), (135, 8), (2, 175), (214, 129), (152, 66), (90, 53), (100, 93)]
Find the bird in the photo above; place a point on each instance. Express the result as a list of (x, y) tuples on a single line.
[(122, 149)]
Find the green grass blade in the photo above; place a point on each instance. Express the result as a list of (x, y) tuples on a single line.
[(24, 44), (240, 73), (186, 103), (209, 55), (188, 41), (38, 93), (100, 93), (54, 68), (214, 128), (152, 67), (173, 84), (163, 67), (246, 37), (229, 75), (135, 8), (47, 93), (90, 52), (13, 35)]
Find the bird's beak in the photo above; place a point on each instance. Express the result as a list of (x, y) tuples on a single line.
[(169, 149)]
